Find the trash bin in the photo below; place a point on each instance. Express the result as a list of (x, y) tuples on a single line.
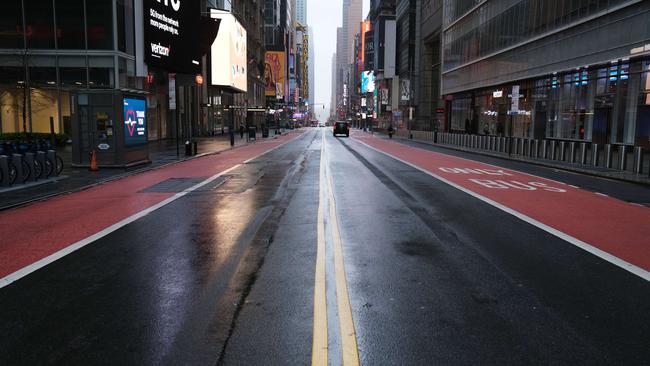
[(265, 133), (252, 133)]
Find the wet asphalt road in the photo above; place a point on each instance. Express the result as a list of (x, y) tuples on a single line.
[(225, 275)]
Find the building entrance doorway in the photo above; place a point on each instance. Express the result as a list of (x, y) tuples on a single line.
[(602, 126)]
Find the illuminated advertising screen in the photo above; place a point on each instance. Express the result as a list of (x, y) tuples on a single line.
[(135, 122), (274, 74), (170, 30), (229, 53), (368, 82)]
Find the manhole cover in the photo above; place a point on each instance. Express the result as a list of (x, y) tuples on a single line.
[(174, 185)]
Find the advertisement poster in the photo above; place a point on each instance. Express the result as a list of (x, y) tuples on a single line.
[(405, 89), (135, 122), (384, 97), (368, 82), (274, 69), (170, 29), (229, 53)]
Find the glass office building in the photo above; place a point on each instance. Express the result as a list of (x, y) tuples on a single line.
[(51, 49), (549, 69)]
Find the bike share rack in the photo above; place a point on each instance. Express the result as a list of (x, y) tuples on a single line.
[(4, 171), (19, 160)]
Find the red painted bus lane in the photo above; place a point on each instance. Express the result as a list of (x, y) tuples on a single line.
[(37, 231), (618, 228)]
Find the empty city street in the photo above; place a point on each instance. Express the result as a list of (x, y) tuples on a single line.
[(314, 249)]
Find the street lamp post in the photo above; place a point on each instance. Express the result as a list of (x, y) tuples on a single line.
[(231, 129)]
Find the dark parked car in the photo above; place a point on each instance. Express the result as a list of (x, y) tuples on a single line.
[(342, 128)]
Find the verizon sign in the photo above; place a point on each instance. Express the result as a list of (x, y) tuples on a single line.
[(170, 29)]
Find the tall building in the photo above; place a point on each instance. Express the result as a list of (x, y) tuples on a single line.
[(301, 11), (345, 36), (251, 16), (551, 70), (334, 98), (429, 110), (312, 69), (382, 16), (277, 38), (352, 16), (308, 39), (339, 71)]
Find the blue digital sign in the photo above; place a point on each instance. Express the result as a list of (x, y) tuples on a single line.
[(135, 122), (368, 82)]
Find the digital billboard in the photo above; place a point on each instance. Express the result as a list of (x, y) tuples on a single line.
[(366, 26), (369, 49), (135, 122), (367, 82), (229, 53), (170, 30), (274, 74)]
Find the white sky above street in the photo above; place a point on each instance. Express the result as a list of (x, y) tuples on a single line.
[(324, 16)]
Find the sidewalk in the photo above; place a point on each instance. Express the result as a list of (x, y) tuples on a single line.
[(597, 171), (72, 179)]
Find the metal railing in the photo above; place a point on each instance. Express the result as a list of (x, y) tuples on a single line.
[(624, 158)]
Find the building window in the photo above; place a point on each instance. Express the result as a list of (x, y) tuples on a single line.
[(11, 25), (461, 114), (99, 19), (101, 72), (73, 72), (42, 70), (125, 27), (127, 73), (70, 32), (39, 17)]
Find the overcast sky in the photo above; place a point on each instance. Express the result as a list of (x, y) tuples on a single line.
[(324, 16)]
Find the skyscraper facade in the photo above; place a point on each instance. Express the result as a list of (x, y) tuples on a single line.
[(301, 11), (352, 16), (312, 68), (550, 70)]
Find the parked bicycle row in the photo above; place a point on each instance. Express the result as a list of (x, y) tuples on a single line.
[(22, 162)]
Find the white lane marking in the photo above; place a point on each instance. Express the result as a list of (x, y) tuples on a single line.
[(15, 276), (638, 271), (601, 194), (488, 164), (5, 281)]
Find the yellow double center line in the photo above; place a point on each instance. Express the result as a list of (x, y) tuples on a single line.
[(349, 348)]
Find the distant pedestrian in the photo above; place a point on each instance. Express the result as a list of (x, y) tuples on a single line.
[(241, 131), (486, 129), (468, 126)]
